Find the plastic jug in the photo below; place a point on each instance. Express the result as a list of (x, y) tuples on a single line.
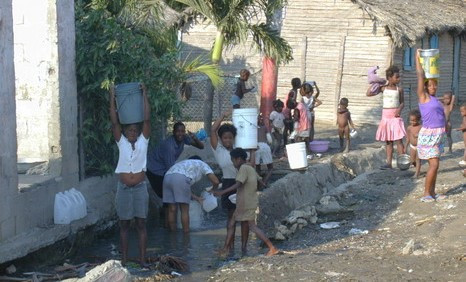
[(210, 202), (82, 205), (61, 209), (75, 209)]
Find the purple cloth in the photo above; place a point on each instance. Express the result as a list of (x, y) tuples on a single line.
[(374, 80), (432, 113), (165, 154)]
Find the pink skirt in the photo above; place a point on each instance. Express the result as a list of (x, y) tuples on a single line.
[(391, 128)]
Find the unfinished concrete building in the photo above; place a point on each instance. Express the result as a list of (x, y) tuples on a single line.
[(38, 113)]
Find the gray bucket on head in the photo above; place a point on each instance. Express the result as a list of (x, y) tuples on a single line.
[(130, 104), (429, 59)]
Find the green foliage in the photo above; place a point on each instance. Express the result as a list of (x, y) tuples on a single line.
[(235, 20), (108, 51)]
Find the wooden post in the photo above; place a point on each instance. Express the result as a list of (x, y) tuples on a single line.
[(303, 58), (341, 59)]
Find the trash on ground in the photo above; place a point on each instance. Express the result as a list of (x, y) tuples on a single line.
[(356, 231), (330, 225)]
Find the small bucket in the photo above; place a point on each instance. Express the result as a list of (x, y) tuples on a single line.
[(129, 100), (297, 155), (245, 121), (210, 202), (429, 59)]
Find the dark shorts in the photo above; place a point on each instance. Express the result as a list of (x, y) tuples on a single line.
[(156, 182), (226, 203)]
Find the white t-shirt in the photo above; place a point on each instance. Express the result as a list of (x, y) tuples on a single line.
[(277, 119), (193, 169), (129, 160), (223, 158)]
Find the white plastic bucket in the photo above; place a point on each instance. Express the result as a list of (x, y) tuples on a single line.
[(210, 202), (245, 121), (196, 215), (429, 59), (297, 155)]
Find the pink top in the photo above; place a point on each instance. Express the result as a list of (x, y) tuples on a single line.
[(304, 122)]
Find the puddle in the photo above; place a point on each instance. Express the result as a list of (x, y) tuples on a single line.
[(198, 248)]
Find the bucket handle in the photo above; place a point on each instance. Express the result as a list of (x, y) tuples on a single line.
[(250, 123)]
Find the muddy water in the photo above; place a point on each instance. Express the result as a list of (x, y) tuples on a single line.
[(198, 248)]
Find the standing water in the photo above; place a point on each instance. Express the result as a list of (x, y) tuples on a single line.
[(198, 248)]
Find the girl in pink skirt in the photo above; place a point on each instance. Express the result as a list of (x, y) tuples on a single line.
[(430, 141), (391, 128)]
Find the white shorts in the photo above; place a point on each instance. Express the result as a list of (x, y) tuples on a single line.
[(263, 154)]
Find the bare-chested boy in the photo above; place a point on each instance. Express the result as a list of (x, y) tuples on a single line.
[(448, 103), (344, 122), (412, 133)]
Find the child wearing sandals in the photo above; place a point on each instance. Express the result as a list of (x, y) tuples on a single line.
[(432, 134), (412, 135), (391, 128)]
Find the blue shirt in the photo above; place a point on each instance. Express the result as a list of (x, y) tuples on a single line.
[(165, 154)]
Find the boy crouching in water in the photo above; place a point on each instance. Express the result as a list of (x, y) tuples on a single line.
[(412, 133), (344, 121), (246, 202)]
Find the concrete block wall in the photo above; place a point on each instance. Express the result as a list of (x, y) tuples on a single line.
[(33, 63), (45, 105)]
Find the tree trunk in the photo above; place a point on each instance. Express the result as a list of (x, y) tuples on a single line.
[(208, 107), (209, 96), (218, 47), (268, 87)]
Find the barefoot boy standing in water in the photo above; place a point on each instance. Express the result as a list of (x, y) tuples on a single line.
[(246, 202), (344, 121)]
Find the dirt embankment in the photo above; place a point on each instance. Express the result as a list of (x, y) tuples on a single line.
[(402, 238)]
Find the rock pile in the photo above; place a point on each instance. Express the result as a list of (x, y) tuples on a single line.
[(296, 220)]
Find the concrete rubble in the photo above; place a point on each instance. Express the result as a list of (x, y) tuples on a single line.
[(110, 271)]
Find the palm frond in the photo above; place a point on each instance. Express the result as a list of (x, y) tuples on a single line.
[(268, 41), (202, 65), (204, 8)]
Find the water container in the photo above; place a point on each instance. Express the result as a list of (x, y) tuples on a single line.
[(129, 100), (196, 215), (245, 121), (82, 202), (210, 202), (429, 59), (297, 155), (74, 202), (61, 209)]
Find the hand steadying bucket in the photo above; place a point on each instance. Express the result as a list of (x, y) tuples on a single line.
[(429, 59), (130, 105)]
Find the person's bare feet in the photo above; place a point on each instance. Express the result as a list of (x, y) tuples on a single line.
[(272, 251), (223, 253)]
